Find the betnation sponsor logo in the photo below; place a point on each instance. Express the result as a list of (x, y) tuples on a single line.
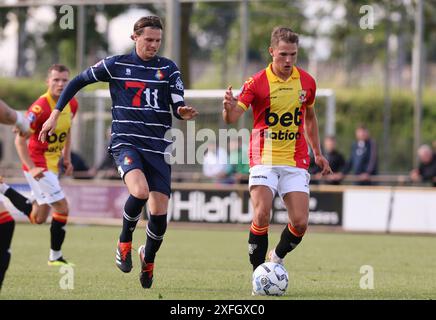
[(281, 135), (287, 119)]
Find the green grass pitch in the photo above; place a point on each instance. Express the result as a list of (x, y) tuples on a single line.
[(212, 264)]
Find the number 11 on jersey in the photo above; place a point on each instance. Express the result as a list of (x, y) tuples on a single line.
[(136, 101)]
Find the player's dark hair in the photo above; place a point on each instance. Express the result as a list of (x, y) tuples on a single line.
[(144, 22), (57, 67), (283, 34)]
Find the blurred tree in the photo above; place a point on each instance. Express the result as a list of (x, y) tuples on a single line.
[(265, 15), (3, 19), (23, 40), (21, 13), (212, 24), (394, 23), (185, 41), (59, 45)]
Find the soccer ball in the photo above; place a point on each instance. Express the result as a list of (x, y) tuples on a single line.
[(270, 279)]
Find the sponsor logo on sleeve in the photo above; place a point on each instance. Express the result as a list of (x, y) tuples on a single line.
[(179, 84), (31, 117)]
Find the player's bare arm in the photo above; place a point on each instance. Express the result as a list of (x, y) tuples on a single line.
[(10, 116), (21, 146), (311, 128), (231, 111), (7, 115), (187, 112), (49, 126)]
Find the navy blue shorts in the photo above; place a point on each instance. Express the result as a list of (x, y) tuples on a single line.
[(156, 170)]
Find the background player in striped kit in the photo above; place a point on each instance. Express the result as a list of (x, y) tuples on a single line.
[(282, 98), (8, 116), (41, 163), (144, 88)]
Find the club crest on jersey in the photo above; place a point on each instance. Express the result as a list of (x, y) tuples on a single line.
[(302, 96), (127, 161), (128, 72), (159, 75)]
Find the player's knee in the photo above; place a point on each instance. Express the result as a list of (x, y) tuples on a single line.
[(61, 207), (39, 219), (64, 211), (261, 218), (140, 193), (300, 226)]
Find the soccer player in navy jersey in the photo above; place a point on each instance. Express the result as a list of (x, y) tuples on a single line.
[(143, 87)]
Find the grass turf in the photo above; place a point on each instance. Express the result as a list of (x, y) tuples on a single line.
[(197, 263)]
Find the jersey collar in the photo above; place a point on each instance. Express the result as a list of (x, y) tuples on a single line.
[(273, 78), (138, 59), (50, 100)]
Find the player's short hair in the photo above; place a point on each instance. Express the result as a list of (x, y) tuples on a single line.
[(144, 22), (362, 126), (57, 67), (283, 34)]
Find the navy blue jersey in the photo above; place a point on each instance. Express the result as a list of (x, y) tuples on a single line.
[(142, 93)]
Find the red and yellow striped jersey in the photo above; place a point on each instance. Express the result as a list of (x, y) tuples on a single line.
[(279, 108), (47, 154)]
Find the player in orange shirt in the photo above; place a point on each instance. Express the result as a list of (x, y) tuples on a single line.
[(8, 116), (40, 163), (282, 99)]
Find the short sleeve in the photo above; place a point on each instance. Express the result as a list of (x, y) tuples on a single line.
[(247, 94), (36, 116), (310, 102), (74, 106)]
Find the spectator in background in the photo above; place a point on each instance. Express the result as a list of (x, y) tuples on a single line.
[(108, 169), (426, 171), (335, 159), (363, 157), (239, 167), (81, 169), (215, 164)]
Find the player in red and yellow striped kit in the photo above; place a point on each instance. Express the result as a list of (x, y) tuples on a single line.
[(282, 99), (41, 160), (7, 223)]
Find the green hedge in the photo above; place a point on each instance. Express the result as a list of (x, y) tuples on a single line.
[(20, 93)]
